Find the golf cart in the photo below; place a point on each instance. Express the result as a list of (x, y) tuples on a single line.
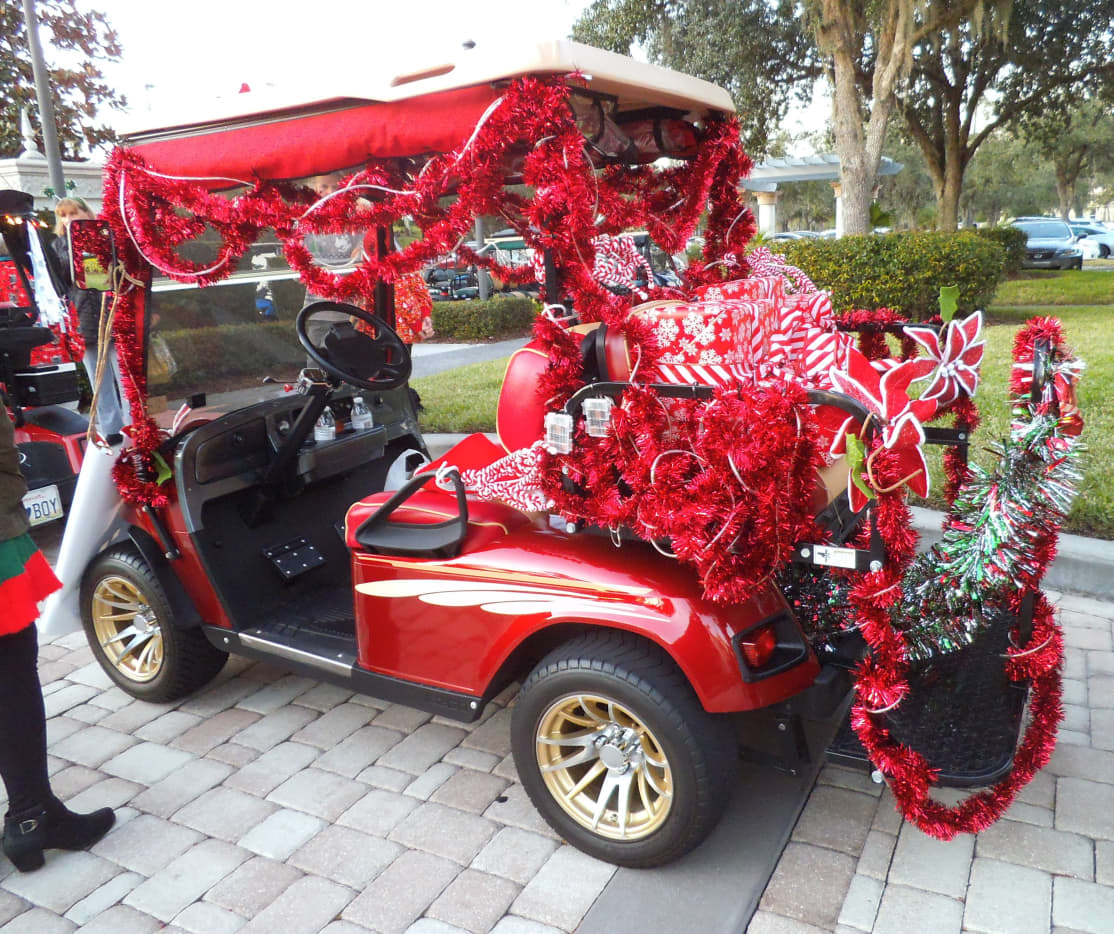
[(35, 387), (660, 465)]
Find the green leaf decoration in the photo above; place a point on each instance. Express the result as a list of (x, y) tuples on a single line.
[(949, 301), (856, 455), (164, 473)]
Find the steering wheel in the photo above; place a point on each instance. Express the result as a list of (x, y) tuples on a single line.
[(375, 361)]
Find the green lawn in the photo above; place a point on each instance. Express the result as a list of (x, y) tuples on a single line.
[(464, 400), (461, 400), (1088, 330), (1040, 287)]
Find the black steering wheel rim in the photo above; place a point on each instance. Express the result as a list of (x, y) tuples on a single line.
[(382, 333)]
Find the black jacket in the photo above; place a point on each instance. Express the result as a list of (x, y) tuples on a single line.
[(86, 301)]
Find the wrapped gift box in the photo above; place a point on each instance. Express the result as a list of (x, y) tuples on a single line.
[(709, 342), (755, 288)]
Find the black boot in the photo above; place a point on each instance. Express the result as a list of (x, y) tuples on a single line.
[(52, 828), (24, 836)]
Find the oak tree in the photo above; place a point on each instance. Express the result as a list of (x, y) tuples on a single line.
[(74, 41), (756, 49)]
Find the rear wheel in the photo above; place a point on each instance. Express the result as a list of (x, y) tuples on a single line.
[(130, 627), (617, 754), (1104, 251)]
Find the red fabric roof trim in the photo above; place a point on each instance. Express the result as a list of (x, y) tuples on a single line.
[(310, 145)]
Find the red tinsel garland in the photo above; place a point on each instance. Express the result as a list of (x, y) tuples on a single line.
[(882, 683), (152, 216), (731, 501)]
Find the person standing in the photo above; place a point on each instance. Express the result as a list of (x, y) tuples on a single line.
[(333, 251), (36, 820), (110, 410)]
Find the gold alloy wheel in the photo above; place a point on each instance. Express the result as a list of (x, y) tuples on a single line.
[(127, 629), (604, 766)]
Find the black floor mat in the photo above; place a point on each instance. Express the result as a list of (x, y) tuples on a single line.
[(962, 714), (328, 612)]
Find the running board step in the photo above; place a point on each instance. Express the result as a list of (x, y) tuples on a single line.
[(333, 657)]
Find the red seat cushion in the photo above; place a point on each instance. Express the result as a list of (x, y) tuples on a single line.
[(487, 520)]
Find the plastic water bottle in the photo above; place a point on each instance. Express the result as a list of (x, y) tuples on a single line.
[(360, 418), (326, 427)]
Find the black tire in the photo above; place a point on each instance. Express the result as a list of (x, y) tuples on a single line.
[(641, 712), (1078, 264), (1104, 251), (161, 662)]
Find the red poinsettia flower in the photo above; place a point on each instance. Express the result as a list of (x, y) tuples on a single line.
[(958, 362), (886, 396)]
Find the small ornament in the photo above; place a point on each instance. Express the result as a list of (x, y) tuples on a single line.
[(597, 416), (558, 432)]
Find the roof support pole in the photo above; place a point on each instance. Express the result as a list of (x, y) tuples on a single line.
[(46, 104), (767, 211)]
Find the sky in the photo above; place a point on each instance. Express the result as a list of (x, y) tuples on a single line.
[(204, 48)]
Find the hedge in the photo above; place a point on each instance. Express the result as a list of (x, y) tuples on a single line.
[(903, 271), (1012, 241), (206, 356), (502, 316)]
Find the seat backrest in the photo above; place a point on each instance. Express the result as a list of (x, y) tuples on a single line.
[(520, 413)]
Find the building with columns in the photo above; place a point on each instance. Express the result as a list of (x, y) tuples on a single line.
[(765, 178), (30, 172)]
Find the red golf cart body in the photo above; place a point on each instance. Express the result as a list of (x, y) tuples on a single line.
[(332, 555)]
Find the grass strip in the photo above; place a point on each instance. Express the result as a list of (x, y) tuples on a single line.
[(1040, 287), (461, 400)]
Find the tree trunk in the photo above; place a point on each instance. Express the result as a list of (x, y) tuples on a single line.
[(947, 197), (1065, 194), (860, 150), (1068, 166)]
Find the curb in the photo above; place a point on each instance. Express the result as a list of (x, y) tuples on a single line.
[(1083, 565)]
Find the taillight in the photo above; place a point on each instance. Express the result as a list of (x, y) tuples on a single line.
[(758, 646)]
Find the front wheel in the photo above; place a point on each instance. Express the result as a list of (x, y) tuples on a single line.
[(130, 627), (617, 754)]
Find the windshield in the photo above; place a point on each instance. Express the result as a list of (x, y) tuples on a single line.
[(1046, 230), (223, 339)]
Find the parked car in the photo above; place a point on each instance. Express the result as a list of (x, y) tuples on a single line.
[(1050, 244), (1092, 233)]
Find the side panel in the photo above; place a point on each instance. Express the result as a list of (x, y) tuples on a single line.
[(453, 623)]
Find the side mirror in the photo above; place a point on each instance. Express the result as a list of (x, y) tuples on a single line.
[(92, 254)]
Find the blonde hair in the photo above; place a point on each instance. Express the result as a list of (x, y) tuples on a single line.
[(76, 203)]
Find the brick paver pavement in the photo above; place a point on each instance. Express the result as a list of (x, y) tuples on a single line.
[(853, 866), (270, 802)]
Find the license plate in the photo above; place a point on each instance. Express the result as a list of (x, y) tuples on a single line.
[(43, 505)]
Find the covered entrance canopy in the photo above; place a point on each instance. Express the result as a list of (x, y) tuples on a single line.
[(765, 178)]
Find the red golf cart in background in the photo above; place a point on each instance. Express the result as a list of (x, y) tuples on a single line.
[(38, 378), (667, 452)]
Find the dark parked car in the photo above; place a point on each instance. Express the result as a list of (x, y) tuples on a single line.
[(1051, 244)]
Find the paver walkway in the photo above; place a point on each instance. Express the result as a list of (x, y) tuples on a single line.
[(852, 865), (273, 803)]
